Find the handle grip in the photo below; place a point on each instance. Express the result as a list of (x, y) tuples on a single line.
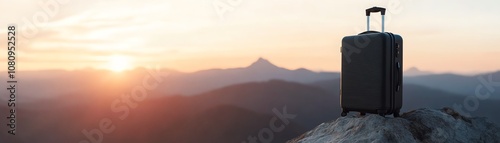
[(374, 9)]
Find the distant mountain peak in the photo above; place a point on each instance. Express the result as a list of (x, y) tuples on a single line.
[(414, 71), (302, 69), (262, 63)]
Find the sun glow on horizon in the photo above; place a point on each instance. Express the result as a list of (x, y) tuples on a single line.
[(119, 63)]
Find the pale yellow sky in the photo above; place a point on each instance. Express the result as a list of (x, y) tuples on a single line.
[(189, 35)]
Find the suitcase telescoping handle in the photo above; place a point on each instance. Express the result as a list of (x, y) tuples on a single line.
[(374, 9)]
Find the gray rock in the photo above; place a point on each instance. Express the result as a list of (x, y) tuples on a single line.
[(422, 125)]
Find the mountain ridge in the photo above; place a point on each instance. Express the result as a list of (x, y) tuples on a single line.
[(57, 83), (414, 71)]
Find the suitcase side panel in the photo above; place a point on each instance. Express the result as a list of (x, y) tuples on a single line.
[(399, 68)]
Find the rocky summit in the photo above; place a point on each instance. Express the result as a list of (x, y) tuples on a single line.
[(422, 125)]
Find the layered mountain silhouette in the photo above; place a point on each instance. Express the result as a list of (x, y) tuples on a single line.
[(55, 83), (260, 70), (228, 114), (218, 105), (168, 119), (312, 104), (414, 71), (488, 83)]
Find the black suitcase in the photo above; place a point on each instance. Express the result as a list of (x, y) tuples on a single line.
[(371, 74)]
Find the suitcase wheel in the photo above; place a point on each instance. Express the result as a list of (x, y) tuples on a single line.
[(396, 114), (344, 113), (381, 113), (362, 113)]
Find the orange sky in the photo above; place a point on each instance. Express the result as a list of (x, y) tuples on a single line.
[(189, 35)]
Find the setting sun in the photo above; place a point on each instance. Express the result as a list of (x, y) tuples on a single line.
[(119, 63)]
